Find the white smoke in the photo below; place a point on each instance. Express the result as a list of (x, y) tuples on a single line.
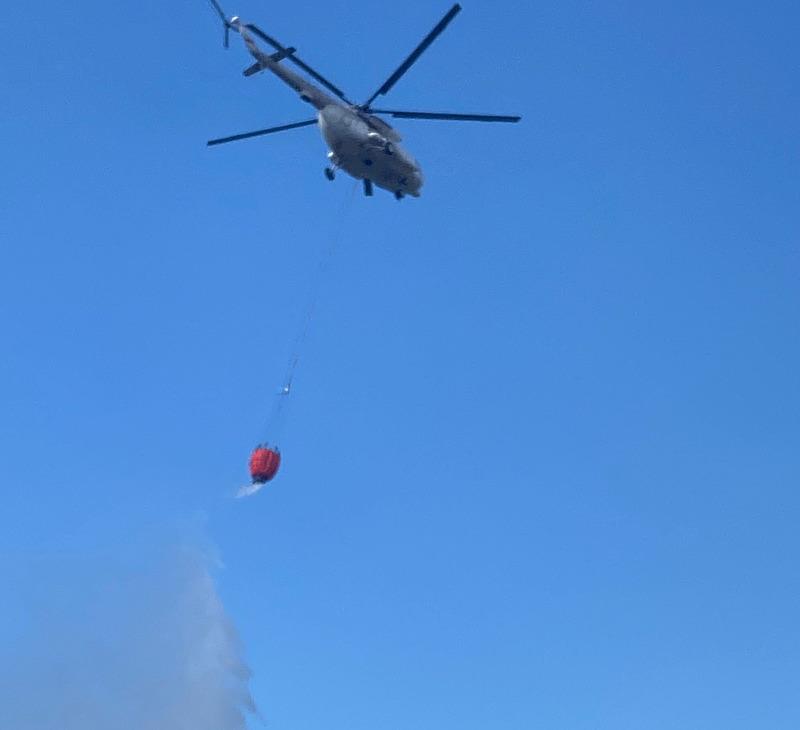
[(131, 648)]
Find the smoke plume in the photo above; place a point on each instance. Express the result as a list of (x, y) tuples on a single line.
[(125, 648)]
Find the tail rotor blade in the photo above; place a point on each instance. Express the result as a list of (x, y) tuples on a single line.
[(225, 22), (219, 10)]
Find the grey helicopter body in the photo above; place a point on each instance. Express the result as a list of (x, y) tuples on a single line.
[(359, 142)]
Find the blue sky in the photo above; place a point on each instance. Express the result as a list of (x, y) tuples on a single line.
[(541, 462)]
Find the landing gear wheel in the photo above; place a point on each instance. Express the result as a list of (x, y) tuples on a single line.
[(399, 195), (330, 174)]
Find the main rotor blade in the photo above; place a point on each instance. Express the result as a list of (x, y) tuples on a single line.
[(448, 117), (261, 132), (418, 51), (297, 62)]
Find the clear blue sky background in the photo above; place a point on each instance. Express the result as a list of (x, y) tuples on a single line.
[(542, 462)]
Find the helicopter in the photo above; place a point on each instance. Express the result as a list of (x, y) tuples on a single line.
[(359, 141)]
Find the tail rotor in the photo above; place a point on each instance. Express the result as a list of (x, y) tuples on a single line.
[(226, 22)]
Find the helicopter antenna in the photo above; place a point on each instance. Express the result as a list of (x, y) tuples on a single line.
[(225, 22)]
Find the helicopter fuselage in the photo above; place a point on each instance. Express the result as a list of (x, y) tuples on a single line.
[(364, 153)]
